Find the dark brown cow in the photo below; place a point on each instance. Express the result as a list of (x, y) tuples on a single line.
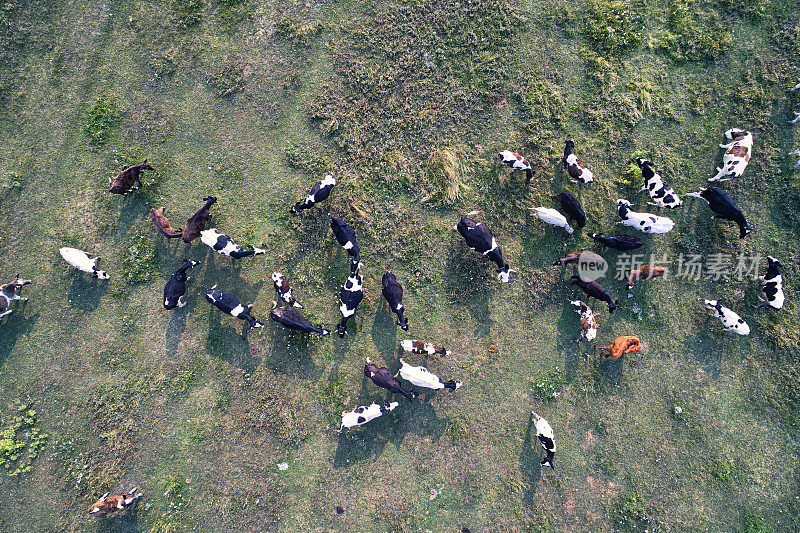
[(197, 222), (126, 179), (108, 504), (162, 224), (381, 377)]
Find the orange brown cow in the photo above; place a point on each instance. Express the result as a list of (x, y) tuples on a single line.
[(621, 345)]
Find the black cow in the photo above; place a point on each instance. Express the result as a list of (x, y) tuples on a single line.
[(723, 205), (481, 240), (228, 303), (393, 292), (572, 207), (381, 377), (623, 243), (176, 286), (319, 193), (346, 237), (595, 290), (292, 319)]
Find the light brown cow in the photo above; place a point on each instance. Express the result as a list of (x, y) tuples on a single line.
[(108, 504), (644, 272), (622, 345), (162, 224)]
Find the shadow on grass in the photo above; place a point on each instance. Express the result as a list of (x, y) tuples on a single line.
[(14, 326), (290, 353), (567, 333), (470, 282), (529, 462), (384, 332), (85, 292), (126, 522), (175, 329)]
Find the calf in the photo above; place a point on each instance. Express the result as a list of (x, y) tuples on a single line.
[(730, 320), (346, 237), (623, 243), (350, 296), (662, 194), (644, 272), (8, 292), (230, 304), (176, 286), (361, 415), (222, 244), (644, 222), (393, 292), (481, 240), (595, 290), (319, 193), (162, 224), (516, 162), (773, 286), (108, 504), (292, 319), (568, 260), (551, 216), (381, 377), (723, 205), (128, 177), (197, 222), (81, 261), (621, 345), (547, 439), (422, 347), (572, 207), (576, 170), (737, 155), (588, 321), (422, 377), (283, 290)]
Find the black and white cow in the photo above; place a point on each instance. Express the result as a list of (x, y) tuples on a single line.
[(292, 319), (81, 261), (723, 205), (595, 290), (349, 297), (730, 320), (623, 243), (346, 237), (422, 347), (422, 377), (283, 290), (363, 414), (230, 304), (393, 292), (381, 377), (481, 240), (572, 207), (662, 194), (8, 292), (773, 285), (576, 170), (516, 162), (547, 438), (319, 193), (737, 155), (644, 222), (176, 286), (222, 244), (588, 320)]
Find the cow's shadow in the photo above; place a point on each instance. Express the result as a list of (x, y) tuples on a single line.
[(567, 333), (175, 329), (469, 282), (12, 327), (124, 522), (86, 291), (291, 353), (384, 332), (529, 462)]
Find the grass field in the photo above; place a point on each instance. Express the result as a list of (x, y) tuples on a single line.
[(407, 104)]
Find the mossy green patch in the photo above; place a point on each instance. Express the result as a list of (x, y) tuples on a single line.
[(102, 116), (614, 26), (20, 440)]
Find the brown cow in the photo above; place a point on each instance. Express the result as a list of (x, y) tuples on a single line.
[(162, 224), (645, 272), (622, 345), (108, 504), (8, 292), (569, 259), (197, 222), (125, 180)]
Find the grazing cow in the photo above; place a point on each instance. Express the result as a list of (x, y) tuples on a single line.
[(796, 117), (162, 224), (292, 319), (222, 244), (795, 87), (796, 152), (481, 240), (644, 272), (595, 290), (230, 304), (644, 222), (393, 292), (551, 216), (568, 260), (81, 261), (350, 296), (381, 377), (346, 237), (588, 321), (422, 377), (516, 162), (623, 243), (361, 415), (126, 179), (197, 222), (662, 194), (621, 345), (730, 320), (176, 286), (8, 292), (319, 192), (572, 207), (737, 155), (108, 504), (773, 286), (576, 170), (723, 205), (547, 438), (422, 347), (283, 290)]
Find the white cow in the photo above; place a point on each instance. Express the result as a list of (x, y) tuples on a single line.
[(422, 377), (81, 261), (551, 216), (361, 414), (730, 320)]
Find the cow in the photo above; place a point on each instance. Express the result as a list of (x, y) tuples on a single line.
[(349, 297), (620, 346), (319, 192), (162, 224), (362, 414), (381, 377), (730, 320), (551, 216), (795, 152), (595, 290), (81, 261), (393, 292), (662, 194), (292, 319), (773, 286), (127, 178), (572, 207), (108, 504), (516, 162), (176, 286), (644, 272), (230, 304), (547, 439), (197, 222), (644, 222), (796, 118), (422, 377), (8, 293), (284, 291), (737, 155), (480, 239), (576, 170), (222, 244), (346, 237), (422, 347), (623, 243), (568, 260), (588, 321), (723, 205)]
